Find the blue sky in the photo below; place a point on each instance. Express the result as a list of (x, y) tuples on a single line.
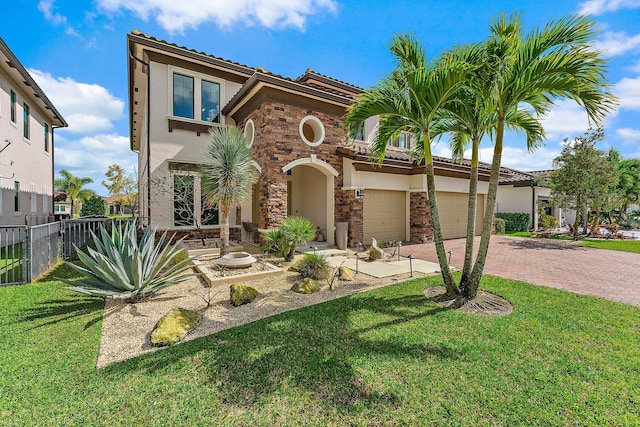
[(76, 51)]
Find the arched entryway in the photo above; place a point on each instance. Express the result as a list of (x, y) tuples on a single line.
[(310, 192)]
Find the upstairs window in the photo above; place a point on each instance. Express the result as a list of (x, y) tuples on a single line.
[(210, 111), (13, 106), (26, 121), (16, 196), (360, 135), (402, 141), (182, 96), (46, 137)]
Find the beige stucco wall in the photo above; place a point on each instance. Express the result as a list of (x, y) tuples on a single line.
[(179, 145), (24, 160)]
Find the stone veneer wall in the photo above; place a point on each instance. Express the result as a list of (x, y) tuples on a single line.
[(420, 229), (277, 142)]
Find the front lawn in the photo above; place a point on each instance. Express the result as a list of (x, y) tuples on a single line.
[(385, 357)]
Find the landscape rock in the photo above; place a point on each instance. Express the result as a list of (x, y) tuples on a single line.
[(307, 286), (174, 326), (242, 294), (345, 273)]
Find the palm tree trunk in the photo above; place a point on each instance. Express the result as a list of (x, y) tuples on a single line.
[(483, 249), (224, 229), (452, 289), (471, 217), (73, 202)]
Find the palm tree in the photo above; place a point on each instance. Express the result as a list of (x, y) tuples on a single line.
[(227, 174), (72, 186), (532, 71), (410, 100), (467, 121)]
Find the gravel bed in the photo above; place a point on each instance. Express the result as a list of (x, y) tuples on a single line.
[(126, 328)]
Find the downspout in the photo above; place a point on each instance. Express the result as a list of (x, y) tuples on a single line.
[(148, 124), (533, 206), (53, 171)]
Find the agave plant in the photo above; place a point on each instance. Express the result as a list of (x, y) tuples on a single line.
[(122, 268)]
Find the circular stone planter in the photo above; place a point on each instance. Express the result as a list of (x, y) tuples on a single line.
[(236, 260)]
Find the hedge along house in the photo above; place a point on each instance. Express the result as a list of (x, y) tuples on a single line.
[(295, 129)]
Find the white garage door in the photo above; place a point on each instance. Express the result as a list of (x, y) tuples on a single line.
[(452, 208), (384, 215)]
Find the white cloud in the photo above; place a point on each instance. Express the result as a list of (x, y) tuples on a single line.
[(629, 135), (598, 7), (47, 7), (628, 90), (617, 43), (566, 120), (88, 108), (90, 156), (175, 16), (521, 159)]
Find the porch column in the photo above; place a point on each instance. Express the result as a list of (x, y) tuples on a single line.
[(419, 218)]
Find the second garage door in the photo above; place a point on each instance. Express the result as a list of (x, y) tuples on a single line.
[(384, 215), (452, 208)]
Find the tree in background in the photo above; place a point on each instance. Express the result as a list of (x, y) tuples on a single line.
[(227, 174), (94, 206), (582, 175), (73, 187), (119, 183), (628, 186)]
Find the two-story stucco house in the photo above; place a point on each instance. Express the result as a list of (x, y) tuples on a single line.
[(295, 129), (27, 123)]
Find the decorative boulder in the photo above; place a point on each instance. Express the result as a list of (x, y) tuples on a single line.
[(296, 265), (174, 326), (307, 286), (242, 294), (345, 273)]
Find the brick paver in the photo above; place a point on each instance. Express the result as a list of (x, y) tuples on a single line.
[(612, 275)]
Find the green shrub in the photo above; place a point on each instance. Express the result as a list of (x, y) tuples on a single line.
[(374, 253), (515, 221), (94, 206), (499, 225), (284, 240), (548, 222), (314, 266), (120, 267)]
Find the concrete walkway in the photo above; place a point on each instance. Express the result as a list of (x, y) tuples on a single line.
[(612, 275)]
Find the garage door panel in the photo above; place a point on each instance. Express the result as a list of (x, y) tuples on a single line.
[(452, 208), (384, 215)]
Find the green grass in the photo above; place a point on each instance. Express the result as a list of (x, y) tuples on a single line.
[(11, 263), (613, 245), (385, 357)]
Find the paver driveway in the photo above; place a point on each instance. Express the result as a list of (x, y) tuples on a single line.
[(607, 274)]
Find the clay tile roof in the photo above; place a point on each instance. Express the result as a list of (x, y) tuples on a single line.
[(310, 74), (507, 175), (148, 37)]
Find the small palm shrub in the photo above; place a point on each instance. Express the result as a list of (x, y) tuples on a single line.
[(314, 266), (123, 268), (547, 222), (297, 230), (284, 240), (275, 242), (500, 225)]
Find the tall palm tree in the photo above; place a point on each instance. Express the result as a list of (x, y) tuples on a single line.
[(467, 121), (72, 186), (410, 100), (227, 174), (532, 71)]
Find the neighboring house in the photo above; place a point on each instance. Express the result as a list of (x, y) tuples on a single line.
[(27, 123), (61, 205), (117, 205), (527, 192), (295, 129)]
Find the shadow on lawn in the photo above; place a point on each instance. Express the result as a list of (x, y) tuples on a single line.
[(60, 310), (312, 350)]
